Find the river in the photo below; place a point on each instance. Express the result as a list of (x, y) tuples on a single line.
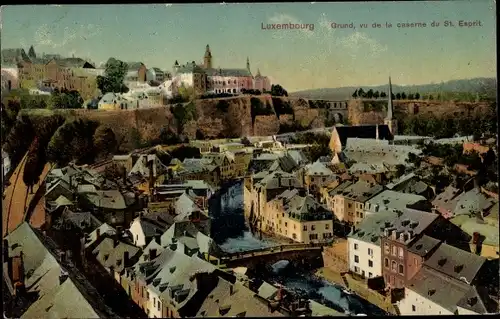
[(233, 234)]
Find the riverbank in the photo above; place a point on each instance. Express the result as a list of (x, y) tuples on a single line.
[(359, 288)]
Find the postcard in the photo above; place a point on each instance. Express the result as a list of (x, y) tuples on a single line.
[(249, 159)]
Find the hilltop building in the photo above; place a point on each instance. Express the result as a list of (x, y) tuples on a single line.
[(205, 78)]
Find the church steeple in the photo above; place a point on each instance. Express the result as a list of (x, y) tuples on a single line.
[(258, 73), (248, 64), (207, 59), (389, 120), (389, 102)]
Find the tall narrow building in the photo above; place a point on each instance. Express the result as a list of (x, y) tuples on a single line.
[(207, 59), (389, 120)]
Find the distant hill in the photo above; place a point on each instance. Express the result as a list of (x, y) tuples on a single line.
[(483, 86)]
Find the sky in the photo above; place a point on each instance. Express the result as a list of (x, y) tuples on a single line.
[(159, 34)]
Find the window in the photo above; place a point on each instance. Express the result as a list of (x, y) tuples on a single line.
[(401, 269), (313, 236), (355, 246), (356, 269), (386, 263), (413, 308), (360, 215), (294, 226), (394, 250), (313, 227), (159, 305), (327, 226), (393, 266), (400, 253), (370, 275), (370, 263), (356, 259), (286, 224), (387, 249), (349, 205), (294, 236), (370, 252)]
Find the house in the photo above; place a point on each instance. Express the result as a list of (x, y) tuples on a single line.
[(399, 265), (473, 202), (136, 72), (189, 240), (265, 187), (365, 256), (410, 184), (482, 231), (115, 256), (199, 169), (144, 230), (148, 166), (43, 283), (340, 134), (10, 78), (448, 283), (112, 101), (299, 217), (389, 199), (190, 75), (348, 200), (110, 205), (445, 202), (261, 83), (155, 74), (317, 175)]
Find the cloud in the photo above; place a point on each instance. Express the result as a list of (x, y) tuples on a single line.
[(50, 37), (358, 41)]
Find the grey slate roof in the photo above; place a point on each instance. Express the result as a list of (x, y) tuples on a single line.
[(413, 221), (472, 202), (73, 63), (401, 180), (303, 208), (190, 68), (111, 199), (188, 229), (472, 301), (279, 179), (110, 256), (455, 262), (423, 246), (84, 220), (363, 131), (442, 290), (393, 200), (318, 168), (361, 191), (74, 298), (447, 199), (371, 229)]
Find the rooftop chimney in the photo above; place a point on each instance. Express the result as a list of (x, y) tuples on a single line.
[(126, 258), (152, 254)]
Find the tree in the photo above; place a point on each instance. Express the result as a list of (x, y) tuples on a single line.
[(167, 137), (114, 74), (31, 53), (200, 135), (32, 166), (398, 96), (64, 99), (383, 95), (278, 90), (376, 94), (104, 141), (417, 96), (403, 96), (411, 96), (361, 92), (369, 94), (393, 96), (355, 94), (430, 97), (19, 139)]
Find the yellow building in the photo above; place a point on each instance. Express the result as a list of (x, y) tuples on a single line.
[(316, 175), (299, 217), (347, 201)]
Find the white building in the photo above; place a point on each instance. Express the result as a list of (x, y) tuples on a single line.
[(365, 255), (10, 79), (170, 88), (5, 163)]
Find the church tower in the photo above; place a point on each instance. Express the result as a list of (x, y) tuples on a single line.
[(207, 59), (248, 65), (389, 120)]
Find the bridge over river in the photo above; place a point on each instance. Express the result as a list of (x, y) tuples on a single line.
[(301, 254)]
